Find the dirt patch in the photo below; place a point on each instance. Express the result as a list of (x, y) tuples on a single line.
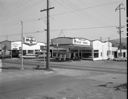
[(119, 87), (83, 89)]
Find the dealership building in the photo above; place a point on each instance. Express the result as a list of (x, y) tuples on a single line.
[(30, 46), (64, 47), (83, 48)]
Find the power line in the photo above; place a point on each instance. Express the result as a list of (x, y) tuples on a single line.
[(84, 28), (90, 7), (23, 6), (14, 34), (71, 6), (62, 29), (68, 12)]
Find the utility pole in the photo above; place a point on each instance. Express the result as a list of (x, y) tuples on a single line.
[(109, 50), (48, 34), (119, 7), (109, 43), (22, 67)]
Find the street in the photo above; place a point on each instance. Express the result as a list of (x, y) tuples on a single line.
[(102, 66), (60, 84), (22, 88)]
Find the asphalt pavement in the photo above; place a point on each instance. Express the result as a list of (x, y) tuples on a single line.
[(62, 83), (59, 84)]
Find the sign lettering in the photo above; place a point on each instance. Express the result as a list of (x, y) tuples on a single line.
[(81, 42), (30, 41)]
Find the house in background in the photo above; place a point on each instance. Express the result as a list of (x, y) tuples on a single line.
[(5, 48)]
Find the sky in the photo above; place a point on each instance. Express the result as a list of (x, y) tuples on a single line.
[(91, 19)]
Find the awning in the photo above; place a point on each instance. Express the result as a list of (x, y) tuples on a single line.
[(74, 46)]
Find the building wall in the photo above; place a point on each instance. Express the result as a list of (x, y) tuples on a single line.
[(104, 50), (27, 49), (72, 41), (124, 51), (116, 52), (17, 45), (97, 45), (107, 50)]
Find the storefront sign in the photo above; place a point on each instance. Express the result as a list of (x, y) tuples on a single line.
[(15, 45), (30, 41), (81, 42)]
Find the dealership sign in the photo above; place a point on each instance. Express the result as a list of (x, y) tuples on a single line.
[(30, 41), (81, 42)]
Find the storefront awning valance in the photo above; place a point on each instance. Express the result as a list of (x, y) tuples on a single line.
[(74, 46)]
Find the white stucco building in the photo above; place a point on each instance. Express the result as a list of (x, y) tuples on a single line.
[(102, 50), (27, 48)]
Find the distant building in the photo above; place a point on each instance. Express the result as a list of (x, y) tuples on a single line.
[(5, 49)]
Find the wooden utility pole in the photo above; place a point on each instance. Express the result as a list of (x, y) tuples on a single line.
[(22, 67), (109, 50), (48, 34), (119, 7)]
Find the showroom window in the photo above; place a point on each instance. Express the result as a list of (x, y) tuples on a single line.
[(96, 53), (30, 51)]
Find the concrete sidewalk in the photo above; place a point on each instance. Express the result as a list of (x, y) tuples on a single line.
[(103, 63)]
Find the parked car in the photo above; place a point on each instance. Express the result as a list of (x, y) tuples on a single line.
[(42, 54)]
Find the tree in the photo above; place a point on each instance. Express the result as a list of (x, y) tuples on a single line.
[(4, 49)]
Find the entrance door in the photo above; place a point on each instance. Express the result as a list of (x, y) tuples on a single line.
[(123, 54), (15, 53), (115, 54)]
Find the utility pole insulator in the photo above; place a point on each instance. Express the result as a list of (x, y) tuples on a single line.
[(46, 9)]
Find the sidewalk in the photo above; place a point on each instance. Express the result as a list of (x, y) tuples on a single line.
[(104, 64)]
